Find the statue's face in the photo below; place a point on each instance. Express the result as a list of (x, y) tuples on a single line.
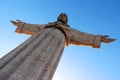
[(63, 18)]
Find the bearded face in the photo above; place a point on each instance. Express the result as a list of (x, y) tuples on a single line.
[(63, 18)]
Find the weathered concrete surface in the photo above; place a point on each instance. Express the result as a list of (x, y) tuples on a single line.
[(36, 58)]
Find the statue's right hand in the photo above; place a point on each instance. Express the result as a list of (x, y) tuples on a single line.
[(106, 39), (16, 23)]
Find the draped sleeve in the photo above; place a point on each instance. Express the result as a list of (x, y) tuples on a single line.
[(30, 29), (82, 38)]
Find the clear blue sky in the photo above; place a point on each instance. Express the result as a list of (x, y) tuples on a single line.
[(91, 16)]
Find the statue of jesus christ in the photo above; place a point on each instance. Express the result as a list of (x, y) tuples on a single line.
[(73, 36), (37, 58)]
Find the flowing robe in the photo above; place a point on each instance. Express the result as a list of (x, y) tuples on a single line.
[(38, 57)]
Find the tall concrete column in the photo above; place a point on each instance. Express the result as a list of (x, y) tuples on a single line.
[(36, 58)]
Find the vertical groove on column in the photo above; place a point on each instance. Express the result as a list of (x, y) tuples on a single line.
[(51, 65), (60, 51)]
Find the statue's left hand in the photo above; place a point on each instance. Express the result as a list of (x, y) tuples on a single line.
[(16, 23), (106, 39)]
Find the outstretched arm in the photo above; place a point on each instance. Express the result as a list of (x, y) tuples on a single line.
[(31, 29), (26, 28), (82, 38)]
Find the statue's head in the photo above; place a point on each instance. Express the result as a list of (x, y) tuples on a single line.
[(63, 18)]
